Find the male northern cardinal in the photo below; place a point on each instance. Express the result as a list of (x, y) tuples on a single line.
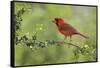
[(66, 29)]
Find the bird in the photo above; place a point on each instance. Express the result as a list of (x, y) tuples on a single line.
[(66, 29)]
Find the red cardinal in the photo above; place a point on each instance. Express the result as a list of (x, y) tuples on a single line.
[(66, 29)]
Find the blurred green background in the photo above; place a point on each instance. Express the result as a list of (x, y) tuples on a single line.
[(38, 18)]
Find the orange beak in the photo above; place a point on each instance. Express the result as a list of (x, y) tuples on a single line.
[(53, 21)]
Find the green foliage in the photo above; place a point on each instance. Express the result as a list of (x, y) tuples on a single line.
[(38, 42)]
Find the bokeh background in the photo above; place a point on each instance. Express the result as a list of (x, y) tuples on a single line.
[(38, 18)]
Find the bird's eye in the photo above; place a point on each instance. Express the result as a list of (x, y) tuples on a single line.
[(56, 19)]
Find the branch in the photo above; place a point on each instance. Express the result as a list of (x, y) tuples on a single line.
[(69, 44)]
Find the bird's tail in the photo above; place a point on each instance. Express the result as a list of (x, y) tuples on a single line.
[(82, 35)]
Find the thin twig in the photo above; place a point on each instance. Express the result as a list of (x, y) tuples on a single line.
[(69, 44)]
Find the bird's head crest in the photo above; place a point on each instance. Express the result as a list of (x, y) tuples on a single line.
[(58, 20)]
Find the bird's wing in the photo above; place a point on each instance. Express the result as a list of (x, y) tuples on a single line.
[(67, 27)]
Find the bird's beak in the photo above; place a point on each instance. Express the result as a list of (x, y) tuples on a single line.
[(53, 21)]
